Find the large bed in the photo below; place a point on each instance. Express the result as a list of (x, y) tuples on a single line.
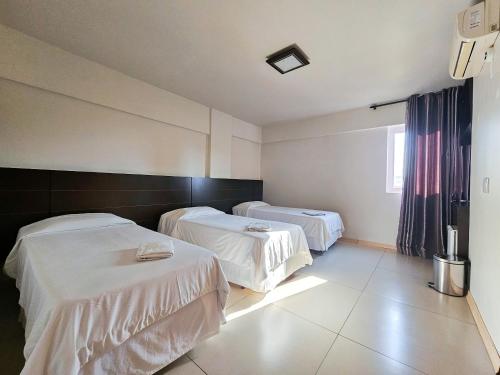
[(256, 260), (90, 307), (322, 228)]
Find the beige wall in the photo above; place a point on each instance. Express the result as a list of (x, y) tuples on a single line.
[(221, 133), (243, 156), (234, 147), (40, 129), (485, 207), (336, 162), (61, 111)]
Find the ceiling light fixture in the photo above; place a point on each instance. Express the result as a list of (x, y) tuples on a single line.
[(287, 59)]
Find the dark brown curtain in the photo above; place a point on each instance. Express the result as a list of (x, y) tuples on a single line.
[(436, 167)]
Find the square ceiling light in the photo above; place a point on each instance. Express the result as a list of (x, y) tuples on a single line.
[(287, 59)]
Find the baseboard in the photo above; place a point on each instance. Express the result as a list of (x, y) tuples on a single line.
[(485, 335), (376, 245)]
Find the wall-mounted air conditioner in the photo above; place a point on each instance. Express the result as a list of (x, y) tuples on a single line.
[(477, 29)]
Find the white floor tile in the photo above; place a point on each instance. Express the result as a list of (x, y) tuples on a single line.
[(429, 342), (414, 291), (345, 264), (266, 341), (328, 304), (349, 358), (415, 266)]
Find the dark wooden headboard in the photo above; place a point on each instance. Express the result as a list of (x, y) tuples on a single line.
[(29, 195), (223, 194)]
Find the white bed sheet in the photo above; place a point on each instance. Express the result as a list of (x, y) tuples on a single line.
[(256, 260), (85, 295), (321, 231)]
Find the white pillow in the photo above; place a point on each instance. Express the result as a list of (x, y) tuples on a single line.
[(242, 208), (192, 212), (57, 224), (71, 222), (169, 219)]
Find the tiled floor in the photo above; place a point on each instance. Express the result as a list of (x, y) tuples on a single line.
[(354, 311)]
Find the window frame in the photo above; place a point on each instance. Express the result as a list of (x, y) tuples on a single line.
[(389, 179)]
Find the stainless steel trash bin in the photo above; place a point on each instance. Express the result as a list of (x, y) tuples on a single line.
[(450, 274)]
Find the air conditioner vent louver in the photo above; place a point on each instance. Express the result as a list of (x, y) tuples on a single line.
[(476, 32)]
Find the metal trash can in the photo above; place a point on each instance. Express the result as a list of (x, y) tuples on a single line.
[(450, 275)]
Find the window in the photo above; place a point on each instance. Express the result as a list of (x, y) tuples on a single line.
[(395, 158)]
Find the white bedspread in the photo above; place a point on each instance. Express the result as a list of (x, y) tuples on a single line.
[(321, 231), (84, 294), (256, 260)]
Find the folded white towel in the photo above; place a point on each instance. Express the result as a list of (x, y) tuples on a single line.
[(313, 213), (259, 227), (155, 250)]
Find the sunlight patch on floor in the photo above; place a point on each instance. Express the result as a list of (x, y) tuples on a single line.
[(288, 289)]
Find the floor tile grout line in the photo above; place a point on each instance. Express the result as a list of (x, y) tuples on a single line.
[(350, 312), (368, 293), (273, 304), (382, 354), (197, 365), (339, 283), (397, 271), (360, 294), (301, 317), (419, 308), (371, 275), (300, 272), (337, 334), (326, 279), (412, 275), (326, 354), (409, 304)]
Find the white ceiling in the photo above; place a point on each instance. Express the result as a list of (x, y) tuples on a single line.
[(214, 52)]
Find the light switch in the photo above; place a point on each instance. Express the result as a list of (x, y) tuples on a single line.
[(486, 185)]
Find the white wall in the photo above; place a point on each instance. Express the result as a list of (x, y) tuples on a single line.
[(243, 156), (336, 162), (234, 147), (40, 129), (484, 245), (61, 111), (221, 133), (246, 150)]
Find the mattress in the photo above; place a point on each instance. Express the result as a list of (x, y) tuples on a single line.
[(256, 260), (85, 296), (321, 231)]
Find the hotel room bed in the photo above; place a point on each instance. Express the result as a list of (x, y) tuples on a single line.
[(90, 307), (321, 231), (256, 260)]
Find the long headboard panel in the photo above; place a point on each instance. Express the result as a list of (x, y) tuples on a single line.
[(24, 199), (223, 194), (29, 195), (141, 198)]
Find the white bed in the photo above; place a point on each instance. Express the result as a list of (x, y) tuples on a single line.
[(321, 231), (256, 260), (90, 307)]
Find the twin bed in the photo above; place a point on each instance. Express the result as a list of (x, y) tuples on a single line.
[(90, 307), (322, 228), (256, 260)]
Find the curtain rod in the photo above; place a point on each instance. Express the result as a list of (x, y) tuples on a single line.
[(375, 106)]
